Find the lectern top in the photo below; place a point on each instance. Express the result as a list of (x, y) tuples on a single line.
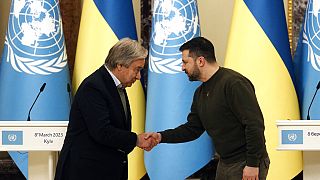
[(33, 123), (298, 122)]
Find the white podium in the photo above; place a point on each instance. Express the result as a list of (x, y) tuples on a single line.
[(36, 137), (302, 135)]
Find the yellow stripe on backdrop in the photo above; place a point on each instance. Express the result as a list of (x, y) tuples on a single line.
[(251, 53), (137, 104), (95, 40)]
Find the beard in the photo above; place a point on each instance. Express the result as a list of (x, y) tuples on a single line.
[(195, 75)]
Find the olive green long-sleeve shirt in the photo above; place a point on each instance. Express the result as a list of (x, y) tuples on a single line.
[(226, 107)]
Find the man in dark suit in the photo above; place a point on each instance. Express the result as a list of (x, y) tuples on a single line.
[(99, 136)]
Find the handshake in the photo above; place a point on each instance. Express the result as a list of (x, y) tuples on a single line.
[(148, 140)]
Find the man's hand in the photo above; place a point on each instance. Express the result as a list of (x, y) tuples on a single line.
[(250, 173), (146, 143), (154, 135)]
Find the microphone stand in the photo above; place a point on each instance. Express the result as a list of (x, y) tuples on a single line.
[(318, 86), (41, 89), (69, 92)]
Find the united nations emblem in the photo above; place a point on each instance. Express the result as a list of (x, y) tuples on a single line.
[(173, 23), (34, 40), (292, 137), (311, 31), (12, 137)]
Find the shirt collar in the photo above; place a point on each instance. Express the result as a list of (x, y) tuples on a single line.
[(115, 79)]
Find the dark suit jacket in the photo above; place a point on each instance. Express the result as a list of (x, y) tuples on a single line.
[(99, 135)]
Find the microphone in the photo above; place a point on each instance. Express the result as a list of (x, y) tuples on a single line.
[(69, 92), (41, 89), (318, 86)]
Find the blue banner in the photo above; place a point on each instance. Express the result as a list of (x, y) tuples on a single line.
[(307, 61), (34, 54), (170, 93)]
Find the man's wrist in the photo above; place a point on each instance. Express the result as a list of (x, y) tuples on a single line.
[(160, 137)]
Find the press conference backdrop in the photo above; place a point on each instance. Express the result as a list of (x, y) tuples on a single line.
[(212, 14), (34, 67), (216, 19), (169, 92), (259, 48)]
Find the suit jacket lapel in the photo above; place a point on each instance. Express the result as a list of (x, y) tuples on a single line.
[(115, 94)]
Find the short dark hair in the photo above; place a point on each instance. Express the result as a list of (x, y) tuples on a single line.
[(200, 46)]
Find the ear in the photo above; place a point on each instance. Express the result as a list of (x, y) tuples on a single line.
[(202, 61), (119, 67)]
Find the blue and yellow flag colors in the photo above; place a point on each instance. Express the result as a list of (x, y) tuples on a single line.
[(170, 92), (102, 24), (307, 61), (34, 54), (258, 47)]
